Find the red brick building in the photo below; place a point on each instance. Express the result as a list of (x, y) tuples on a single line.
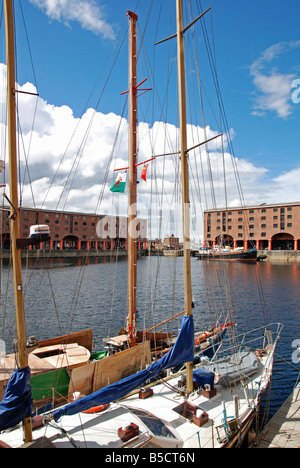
[(171, 242), (272, 227), (71, 230)]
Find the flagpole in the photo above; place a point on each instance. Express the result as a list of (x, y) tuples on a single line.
[(132, 254)]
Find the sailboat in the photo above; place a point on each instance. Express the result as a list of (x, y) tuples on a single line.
[(61, 366), (211, 405)]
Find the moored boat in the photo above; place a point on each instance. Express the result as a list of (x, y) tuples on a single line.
[(228, 254)]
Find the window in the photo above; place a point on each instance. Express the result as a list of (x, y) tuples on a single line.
[(290, 225), (289, 209), (263, 218), (155, 425), (275, 210), (275, 225), (264, 210), (263, 226), (251, 211), (275, 217), (282, 225), (263, 234), (251, 226), (240, 226), (251, 219)]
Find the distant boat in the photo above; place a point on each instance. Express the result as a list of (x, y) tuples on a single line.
[(238, 254), (173, 253)]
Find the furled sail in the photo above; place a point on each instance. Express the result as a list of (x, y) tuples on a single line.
[(182, 351), (17, 402)]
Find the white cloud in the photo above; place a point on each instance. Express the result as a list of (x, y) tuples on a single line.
[(273, 88), (68, 161), (86, 12)]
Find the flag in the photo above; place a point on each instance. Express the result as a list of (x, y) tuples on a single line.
[(119, 183), (144, 172)]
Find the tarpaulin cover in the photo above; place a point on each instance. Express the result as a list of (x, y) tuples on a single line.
[(203, 377), (181, 352), (17, 402)]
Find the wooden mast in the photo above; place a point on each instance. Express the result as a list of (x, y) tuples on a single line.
[(184, 179), (14, 208), (132, 254)]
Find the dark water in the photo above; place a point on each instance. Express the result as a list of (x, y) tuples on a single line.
[(63, 296)]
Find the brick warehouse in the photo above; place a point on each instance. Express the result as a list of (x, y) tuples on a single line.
[(71, 230), (271, 227)]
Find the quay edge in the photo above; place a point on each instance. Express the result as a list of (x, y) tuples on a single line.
[(272, 255)]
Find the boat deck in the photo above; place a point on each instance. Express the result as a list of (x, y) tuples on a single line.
[(283, 431)]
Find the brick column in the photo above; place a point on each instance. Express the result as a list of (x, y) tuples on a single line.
[(270, 244)]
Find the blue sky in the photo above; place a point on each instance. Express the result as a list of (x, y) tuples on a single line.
[(257, 48)]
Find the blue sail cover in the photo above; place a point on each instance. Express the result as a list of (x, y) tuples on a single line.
[(182, 351), (17, 402)]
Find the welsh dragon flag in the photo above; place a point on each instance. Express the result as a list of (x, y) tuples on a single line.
[(119, 183)]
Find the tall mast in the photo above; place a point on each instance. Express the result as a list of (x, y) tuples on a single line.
[(184, 179), (132, 255), (14, 209)]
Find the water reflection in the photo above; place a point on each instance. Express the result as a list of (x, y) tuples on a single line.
[(64, 295)]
